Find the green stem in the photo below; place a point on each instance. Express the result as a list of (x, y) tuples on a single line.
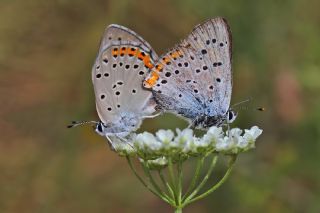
[(179, 190), (166, 184), (204, 180), (216, 186), (172, 179), (154, 183), (143, 182), (195, 177), (178, 210)]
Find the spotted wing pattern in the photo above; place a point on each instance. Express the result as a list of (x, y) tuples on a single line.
[(194, 78), (118, 72)]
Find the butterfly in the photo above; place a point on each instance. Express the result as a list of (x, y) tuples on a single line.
[(120, 67), (194, 79)]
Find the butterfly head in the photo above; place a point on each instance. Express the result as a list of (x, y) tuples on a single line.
[(100, 128), (204, 122), (231, 116)]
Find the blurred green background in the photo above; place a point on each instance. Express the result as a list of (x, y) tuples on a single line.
[(47, 49)]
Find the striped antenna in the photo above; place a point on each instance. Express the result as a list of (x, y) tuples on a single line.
[(246, 108), (79, 123)]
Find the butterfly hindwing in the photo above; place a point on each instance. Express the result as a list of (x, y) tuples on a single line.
[(195, 79)]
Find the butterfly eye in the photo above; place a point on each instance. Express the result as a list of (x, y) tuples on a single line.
[(99, 127), (231, 116)]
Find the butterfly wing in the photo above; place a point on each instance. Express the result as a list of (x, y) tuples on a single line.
[(194, 78), (114, 34), (118, 72)]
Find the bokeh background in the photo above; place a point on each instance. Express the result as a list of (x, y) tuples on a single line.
[(47, 49)]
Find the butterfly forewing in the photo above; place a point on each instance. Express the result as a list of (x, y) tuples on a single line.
[(116, 34), (118, 72)]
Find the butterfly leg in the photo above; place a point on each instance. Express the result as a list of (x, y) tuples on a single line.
[(115, 139), (110, 143), (153, 116), (121, 137), (192, 124), (125, 139), (226, 124)]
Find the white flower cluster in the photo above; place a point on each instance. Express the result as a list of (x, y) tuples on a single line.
[(165, 143)]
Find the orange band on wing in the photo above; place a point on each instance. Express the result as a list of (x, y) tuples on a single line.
[(147, 62), (141, 55), (174, 55), (166, 60), (159, 67), (132, 51), (154, 75), (123, 51), (115, 52), (136, 52), (151, 81)]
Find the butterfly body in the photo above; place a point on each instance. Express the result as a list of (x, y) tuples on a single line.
[(125, 123)]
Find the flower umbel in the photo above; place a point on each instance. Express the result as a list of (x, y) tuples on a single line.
[(170, 150), (165, 143)]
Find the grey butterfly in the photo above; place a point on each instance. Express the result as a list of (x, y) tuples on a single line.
[(121, 65), (194, 78)]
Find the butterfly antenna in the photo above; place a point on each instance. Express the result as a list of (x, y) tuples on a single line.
[(262, 109), (79, 123), (241, 102)]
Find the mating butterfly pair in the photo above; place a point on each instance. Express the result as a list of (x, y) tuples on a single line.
[(192, 80)]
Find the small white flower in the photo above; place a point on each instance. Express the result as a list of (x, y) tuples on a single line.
[(225, 144), (122, 147), (242, 143), (235, 132), (191, 146), (182, 139), (229, 144), (215, 131), (185, 135), (212, 136), (165, 136), (253, 133), (147, 142), (250, 136)]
